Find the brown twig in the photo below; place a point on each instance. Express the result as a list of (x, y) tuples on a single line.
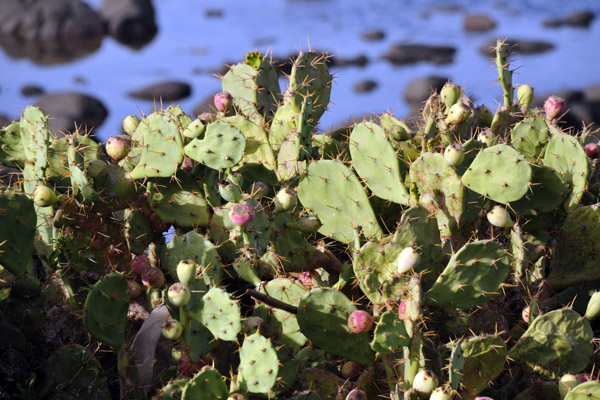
[(256, 295)]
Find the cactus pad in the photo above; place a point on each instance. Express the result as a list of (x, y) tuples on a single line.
[(484, 358), (547, 192), (390, 334), (219, 313), (589, 390), (259, 365), (530, 137), (258, 149), (223, 146), (17, 214), (35, 139), (179, 203), (207, 384), (12, 153)]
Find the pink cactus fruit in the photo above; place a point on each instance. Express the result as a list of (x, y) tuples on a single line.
[(153, 278), (360, 321), (402, 309), (223, 101), (306, 279), (140, 264), (591, 150), (525, 314), (554, 107), (356, 394), (135, 289), (241, 214), (118, 147), (350, 370), (186, 367)]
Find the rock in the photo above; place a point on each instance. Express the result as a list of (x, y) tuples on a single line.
[(373, 35), (130, 22), (213, 13), (31, 90), (49, 32), (365, 86), (592, 93), (518, 46), (419, 90), (478, 23), (68, 109), (401, 54), (167, 91), (581, 19), (358, 61)]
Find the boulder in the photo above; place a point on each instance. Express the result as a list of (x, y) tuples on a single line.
[(401, 54), (31, 90), (373, 35), (365, 86), (130, 22), (68, 110), (419, 90), (520, 46), (478, 23), (167, 91), (581, 19)]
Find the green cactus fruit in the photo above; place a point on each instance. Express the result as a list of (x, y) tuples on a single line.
[(484, 116), (245, 268), (105, 310), (424, 383), (500, 217), (409, 151), (207, 384), (43, 196), (195, 129), (219, 314), (179, 294), (454, 154), (585, 391), (259, 364), (408, 259), (130, 123), (561, 332), (450, 94), (458, 113), (440, 393), (309, 224), (484, 359), (172, 329), (487, 137), (593, 307), (461, 284), (566, 383), (390, 334), (350, 370), (393, 127), (18, 215), (94, 168), (525, 95), (285, 200), (186, 271)]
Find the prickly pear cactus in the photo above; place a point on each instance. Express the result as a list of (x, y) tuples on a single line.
[(484, 359), (219, 314), (206, 384), (18, 215), (259, 365)]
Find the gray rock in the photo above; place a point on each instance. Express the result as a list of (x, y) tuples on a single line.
[(581, 19), (478, 23), (419, 90), (67, 110), (401, 54), (373, 35), (131, 22), (358, 61), (592, 93), (365, 86), (31, 90), (519, 46), (167, 91)]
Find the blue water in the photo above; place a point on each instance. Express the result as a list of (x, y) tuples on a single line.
[(190, 46)]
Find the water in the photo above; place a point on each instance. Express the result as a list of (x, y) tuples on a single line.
[(190, 46)]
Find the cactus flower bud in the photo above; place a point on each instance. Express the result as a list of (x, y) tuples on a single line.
[(450, 94), (223, 101), (360, 321), (186, 271), (172, 329), (440, 394), (424, 383), (350, 370), (524, 95), (309, 224), (43, 196), (118, 147), (593, 307), (140, 264), (285, 200), (454, 154), (130, 124), (554, 107), (458, 114), (179, 294), (591, 150), (305, 278), (153, 278), (500, 217), (408, 259), (566, 383), (241, 214)]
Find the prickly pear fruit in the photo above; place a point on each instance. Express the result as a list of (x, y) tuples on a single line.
[(350, 369), (309, 224), (454, 154), (43, 196), (172, 329), (153, 278), (241, 214), (424, 383), (584, 377), (402, 309), (458, 113), (408, 259), (484, 116), (554, 107), (285, 200), (356, 394), (566, 383), (525, 314), (118, 147), (360, 321), (135, 289), (524, 95), (179, 294), (253, 324), (450, 94), (140, 264), (593, 307), (440, 394), (187, 164), (488, 137), (483, 398), (259, 189), (592, 150), (186, 271), (305, 278), (223, 101), (130, 124), (500, 217)]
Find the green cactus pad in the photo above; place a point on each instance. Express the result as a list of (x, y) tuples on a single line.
[(547, 192), (473, 275), (35, 138), (17, 214), (530, 137), (161, 147), (323, 318), (440, 190), (105, 310), (179, 202), (282, 325), (219, 313), (376, 162), (325, 383), (484, 358), (288, 158), (390, 334), (172, 390), (565, 155), (12, 153), (79, 181), (223, 146), (456, 366), (258, 150), (259, 365), (138, 231), (499, 173), (289, 246), (331, 191), (207, 384), (589, 390), (288, 369), (282, 126), (555, 343)]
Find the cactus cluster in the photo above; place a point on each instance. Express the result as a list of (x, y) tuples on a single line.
[(448, 257)]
